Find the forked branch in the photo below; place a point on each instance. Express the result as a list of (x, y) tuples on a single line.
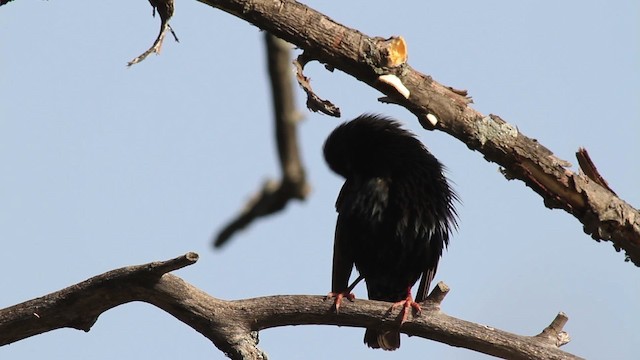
[(233, 325)]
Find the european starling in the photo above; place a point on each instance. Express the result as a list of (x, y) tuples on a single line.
[(395, 214)]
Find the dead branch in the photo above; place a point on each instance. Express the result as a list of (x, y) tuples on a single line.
[(233, 325), (554, 333), (314, 102), (79, 306), (275, 195), (603, 214), (165, 10)]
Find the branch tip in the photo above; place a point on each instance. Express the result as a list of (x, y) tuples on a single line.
[(192, 256), (165, 9), (560, 321), (179, 262), (553, 334), (438, 293)]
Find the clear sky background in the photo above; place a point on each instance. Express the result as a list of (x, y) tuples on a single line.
[(104, 166)]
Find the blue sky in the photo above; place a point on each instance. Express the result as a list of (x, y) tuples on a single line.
[(105, 166)]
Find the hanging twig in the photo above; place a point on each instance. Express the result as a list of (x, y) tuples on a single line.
[(275, 195), (165, 10)]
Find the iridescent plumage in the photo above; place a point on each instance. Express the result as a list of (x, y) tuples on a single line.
[(395, 214)]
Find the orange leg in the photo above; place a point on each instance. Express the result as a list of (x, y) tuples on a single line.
[(339, 296), (406, 304)]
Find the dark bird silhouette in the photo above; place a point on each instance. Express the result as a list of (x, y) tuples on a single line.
[(395, 214)]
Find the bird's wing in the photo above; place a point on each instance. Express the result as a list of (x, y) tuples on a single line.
[(431, 267), (342, 259), (425, 283), (360, 207)]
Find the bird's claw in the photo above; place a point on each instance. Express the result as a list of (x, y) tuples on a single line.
[(338, 298), (406, 304)]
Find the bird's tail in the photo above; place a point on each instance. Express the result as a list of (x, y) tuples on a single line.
[(385, 340)]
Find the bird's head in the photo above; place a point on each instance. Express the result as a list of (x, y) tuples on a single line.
[(370, 145)]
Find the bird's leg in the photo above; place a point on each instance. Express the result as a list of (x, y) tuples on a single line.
[(338, 298), (406, 304), (344, 294)]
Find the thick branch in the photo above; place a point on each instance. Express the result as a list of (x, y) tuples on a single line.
[(232, 325), (79, 306), (604, 215), (275, 195)]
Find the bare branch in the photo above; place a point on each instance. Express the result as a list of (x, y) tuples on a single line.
[(79, 306), (233, 325), (275, 195), (604, 215)]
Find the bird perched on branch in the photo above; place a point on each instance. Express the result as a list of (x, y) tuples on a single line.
[(395, 214)]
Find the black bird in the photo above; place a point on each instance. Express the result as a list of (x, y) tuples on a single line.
[(395, 214)]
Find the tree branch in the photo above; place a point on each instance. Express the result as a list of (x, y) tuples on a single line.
[(275, 195), (79, 306), (371, 60), (233, 325)]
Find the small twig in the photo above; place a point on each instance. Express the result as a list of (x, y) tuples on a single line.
[(314, 102), (165, 9), (275, 195)]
